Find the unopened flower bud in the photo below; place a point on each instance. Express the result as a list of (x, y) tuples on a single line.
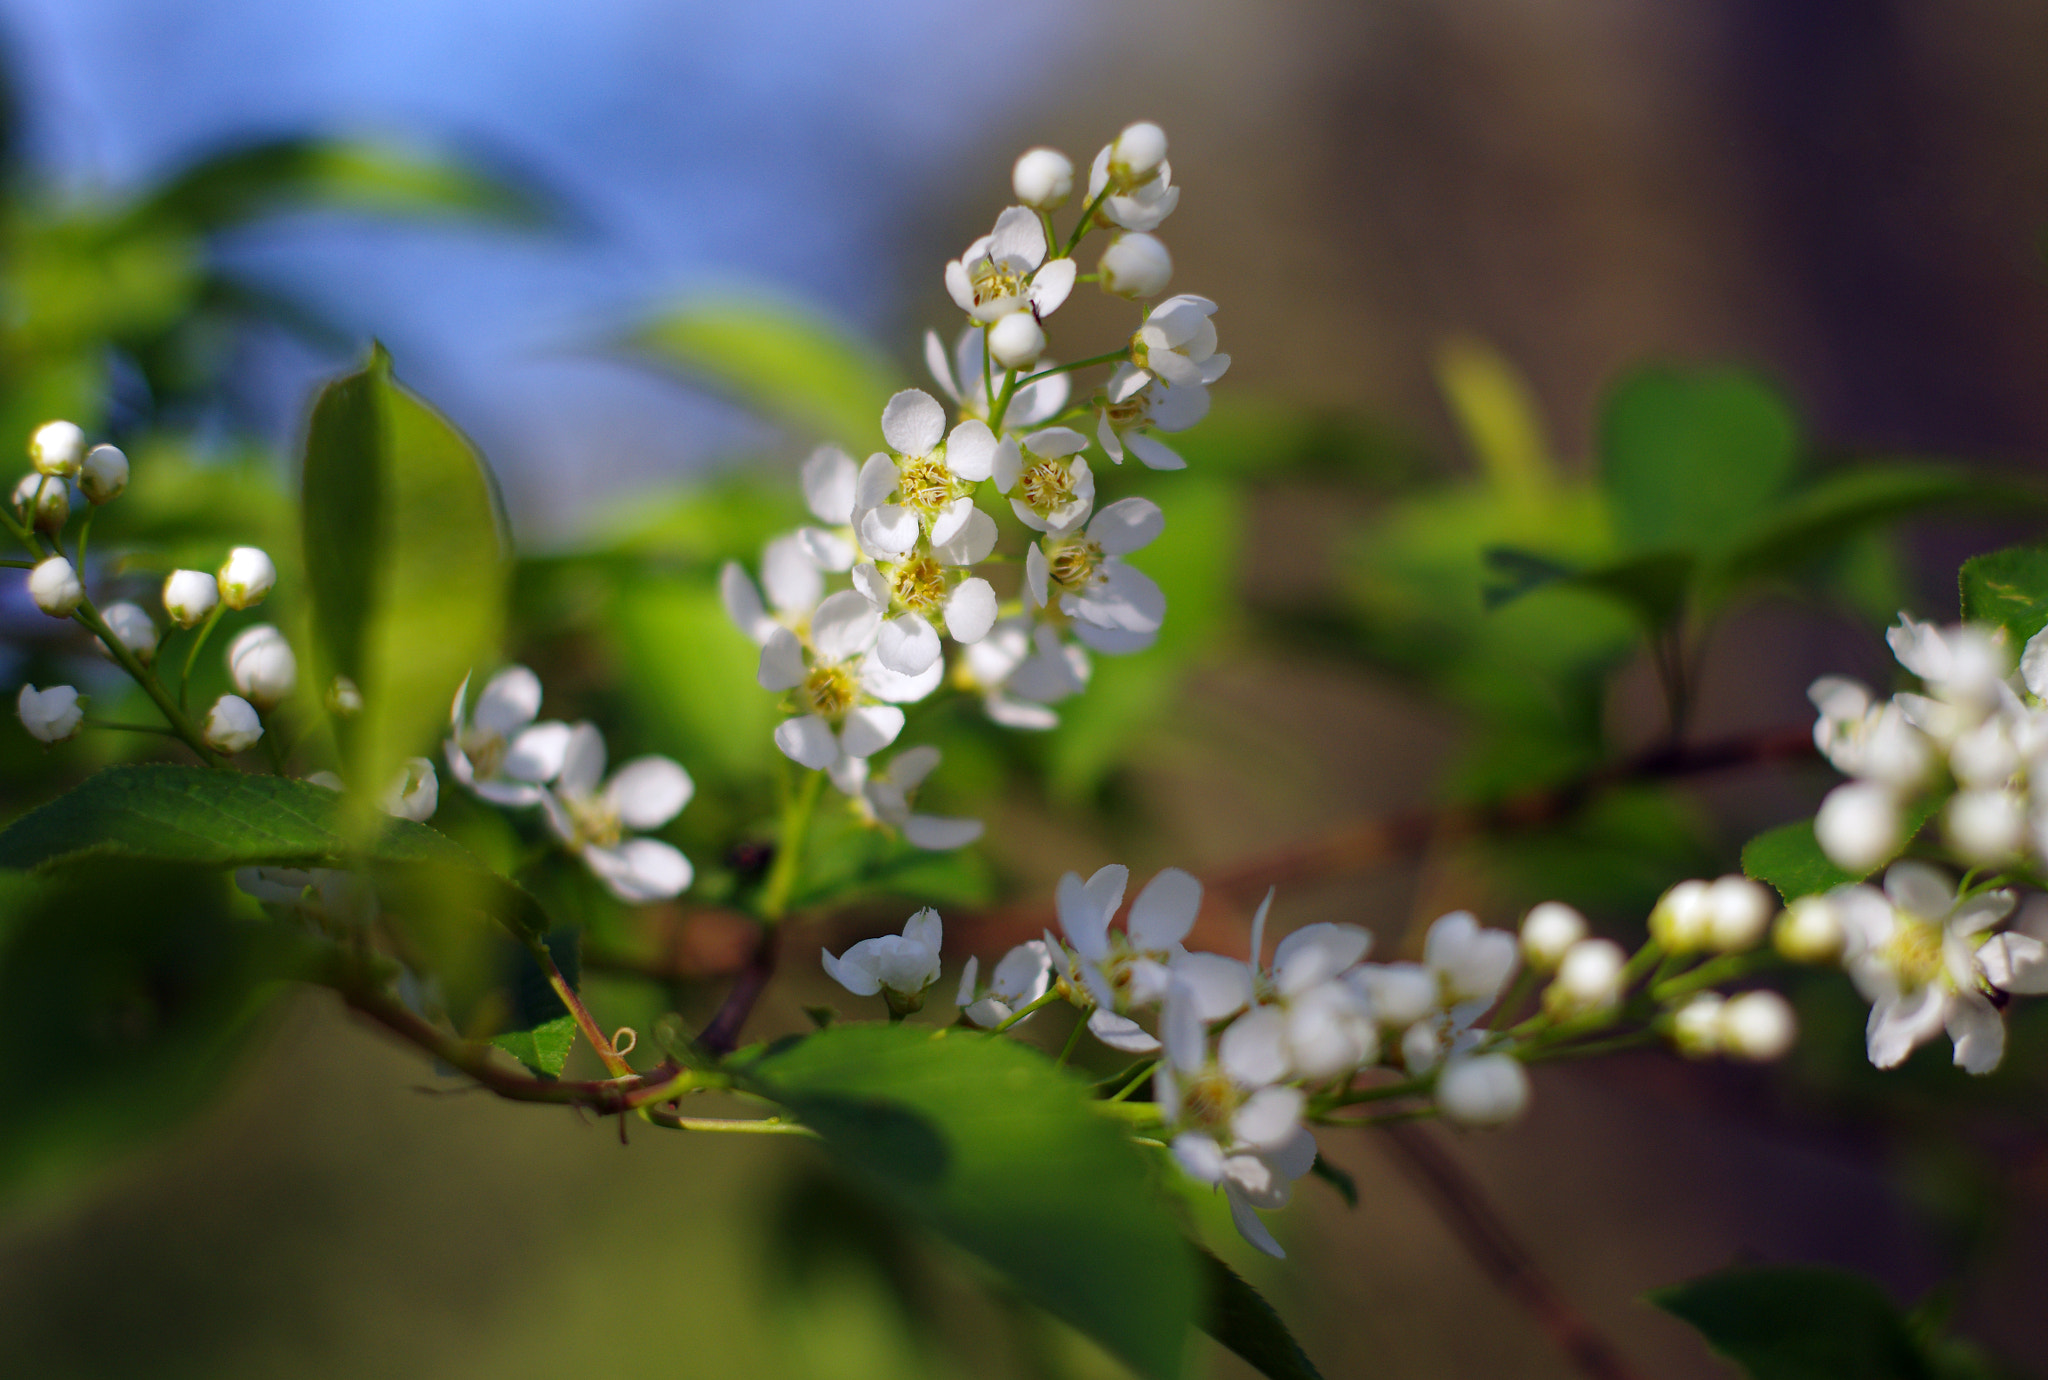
[(245, 577), (1484, 1090), (1547, 931), (1985, 827), (1738, 912), (52, 715), (1696, 1026), (1043, 179), (132, 628), (232, 725), (415, 793), (1758, 1026), (1016, 341), (1682, 919), (1136, 265), (262, 667), (1588, 978), (189, 595), (55, 587), (1810, 931), (103, 474), (1858, 826), (344, 699), (56, 448), (1137, 153), (43, 503)]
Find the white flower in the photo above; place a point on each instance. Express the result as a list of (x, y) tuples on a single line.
[(1986, 827), (262, 667), (55, 587), (1144, 194), (1033, 403), (925, 490), (931, 581), (1757, 1026), (1588, 979), (831, 479), (1054, 490), (1963, 665), (1696, 1026), (1482, 1090), (1328, 1027), (499, 753), (1131, 404), (189, 595), (1093, 585), (1868, 739), (132, 628), (245, 577), (344, 698), (103, 474), (1020, 668), (1016, 341), (1549, 930), (794, 582), (1859, 825), (1043, 179), (415, 793), (1135, 266), (898, 967), (231, 725), (1919, 955), (1006, 271), (42, 502), (835, 684), (1130, 967), (1177, 343), (591, 818), (1021, 978), (885, 798), (1468, 967), (50, 716), (56, 448)]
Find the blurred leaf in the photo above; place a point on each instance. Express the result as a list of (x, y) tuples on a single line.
[(1239, 1317), (403, 563), (849, 1298), (1652, 587), (990, 1144), (1799, 1322), (784, 362), (1496, 411), (310, 172), (1339, 1179), (856, 862), (1789, 857), (1689, 458), (2009, 588), (691, 677), (544, 1049)]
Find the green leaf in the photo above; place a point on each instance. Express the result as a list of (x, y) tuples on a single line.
[(1799, 1323), (1689, 458), (782, 361), (1339, 1179), (1651, 587), (1239, 1317), (1496, 410), (998, 1151), (2009, 588), (1789, 858), (403, 563), (544, 1049)]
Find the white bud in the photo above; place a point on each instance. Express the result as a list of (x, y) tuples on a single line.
[(1696, 1026), (1016, 341), (1894, 751), (52, 715), (232, 725), (103, 474), (132, 628), (344, 699), (56, 448), (262, 667), (1043, 179), (54, 585), (1683, 917), (1484, 1090), (1810, 931), (1136, 265), (49, 498), (1985, 827), (1858, 826), (189, 595), (245, 577), (1547, 931), (1738, 912), (1399, 994), (1588, 978), (1138, 152), (415, 793), (1758, 1026)]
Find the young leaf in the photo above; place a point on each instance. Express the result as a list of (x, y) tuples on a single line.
[(1799, 1323), (544, 1049), (2009, 588), (997, 1150), (1689, 458), (1790, 860), (1239, 1317)]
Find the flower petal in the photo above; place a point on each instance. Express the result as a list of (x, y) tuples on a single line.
[(509, 702), (583, 761), (971, 611), (941, 833), (640, 870), (889, 530), (1248, 1224), (869, 729), (1165, 910), (971, 450), (1052, 284), (782, 662), (1121, 1033), (913, 422), (649, 791), (908, 645), (539, 754), (830, 481), (844, 626), (1126, 525), (807, 741), (1978, 1031)]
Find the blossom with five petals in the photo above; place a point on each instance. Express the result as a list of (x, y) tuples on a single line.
[(499, 752), (1093, 586), (899, 967), (1133, 402), (1006, 271), (837, 685), (885, 797), (590, 813)]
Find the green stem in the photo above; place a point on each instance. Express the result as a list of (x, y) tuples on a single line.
[(192, 657), (158, 729), (766, 1126), (84, 531), (1113, 357), (88, 615), (1409, 1087), (1087, 215), (1002, 405), (1718, 970), (1021, 1012), (271, 744), (1144, 1072), (19, 565), (610, 1057), (789, 850), (1073, 1039)]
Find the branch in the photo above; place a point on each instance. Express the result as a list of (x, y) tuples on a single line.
[(722, 1036)]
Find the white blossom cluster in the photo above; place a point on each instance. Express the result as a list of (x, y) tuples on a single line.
[(913, 531), (1245, 1055)]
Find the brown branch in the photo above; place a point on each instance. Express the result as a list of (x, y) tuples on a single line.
[(1462, 1206), (722, 1036)]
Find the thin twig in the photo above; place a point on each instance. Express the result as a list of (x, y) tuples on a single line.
[(722, 1036)]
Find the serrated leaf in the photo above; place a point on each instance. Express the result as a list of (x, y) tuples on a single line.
[(403, 564), (544, 1049), (1790, 860), (1688, 458), (1239, 1317), (2009, 588), (1799, 1323), (988, 1144)]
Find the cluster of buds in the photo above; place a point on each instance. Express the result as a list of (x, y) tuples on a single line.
[(912, 530)]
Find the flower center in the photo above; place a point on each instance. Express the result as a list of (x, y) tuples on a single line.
[(1072, 565), (1132, 411), (485, 750), (596, 820), (919, 584), (1047, 485), (1208, 1099), (1914, 952), (926, 484), (829, 690), (994, 282)]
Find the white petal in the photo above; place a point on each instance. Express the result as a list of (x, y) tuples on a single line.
[(870, 728), (1019, 236), (1006, 467), (1083, 919), (844, 626), (2015, 963), (1248, 1224), (971, 611), (885, 684), (509, 795), (965, 995), (909, 645), (1899, 1025), (913, 423), (830, 481), (538, 754), (1051, 285), (1154, 453), (940, 833), (509, 702), (649, 792), (890, 530), (877, 481), (1120, 1033), (951, 520), (1269, 1117), (1181, 1028), (873, 585), (1165, 910), (782, 661), (640, 870), (1218, 987), (1056, 442), (1253, 1050), (1021, 715), (789, 576), (583, 761), (807, 741), (1114, 641), (1037, 575), (935, 354), (1105, 889), (855, 978), (972, 544), (1025, 973), (1127, 598), (971, 450), (1126, 525), (742, 604), (924, 927), (1199, 1157), (1315, 953), (827, 550), (959, 285), (1978, 1031), (1919, 889)]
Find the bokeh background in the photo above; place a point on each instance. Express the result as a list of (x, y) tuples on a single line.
[(1848, 197)]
